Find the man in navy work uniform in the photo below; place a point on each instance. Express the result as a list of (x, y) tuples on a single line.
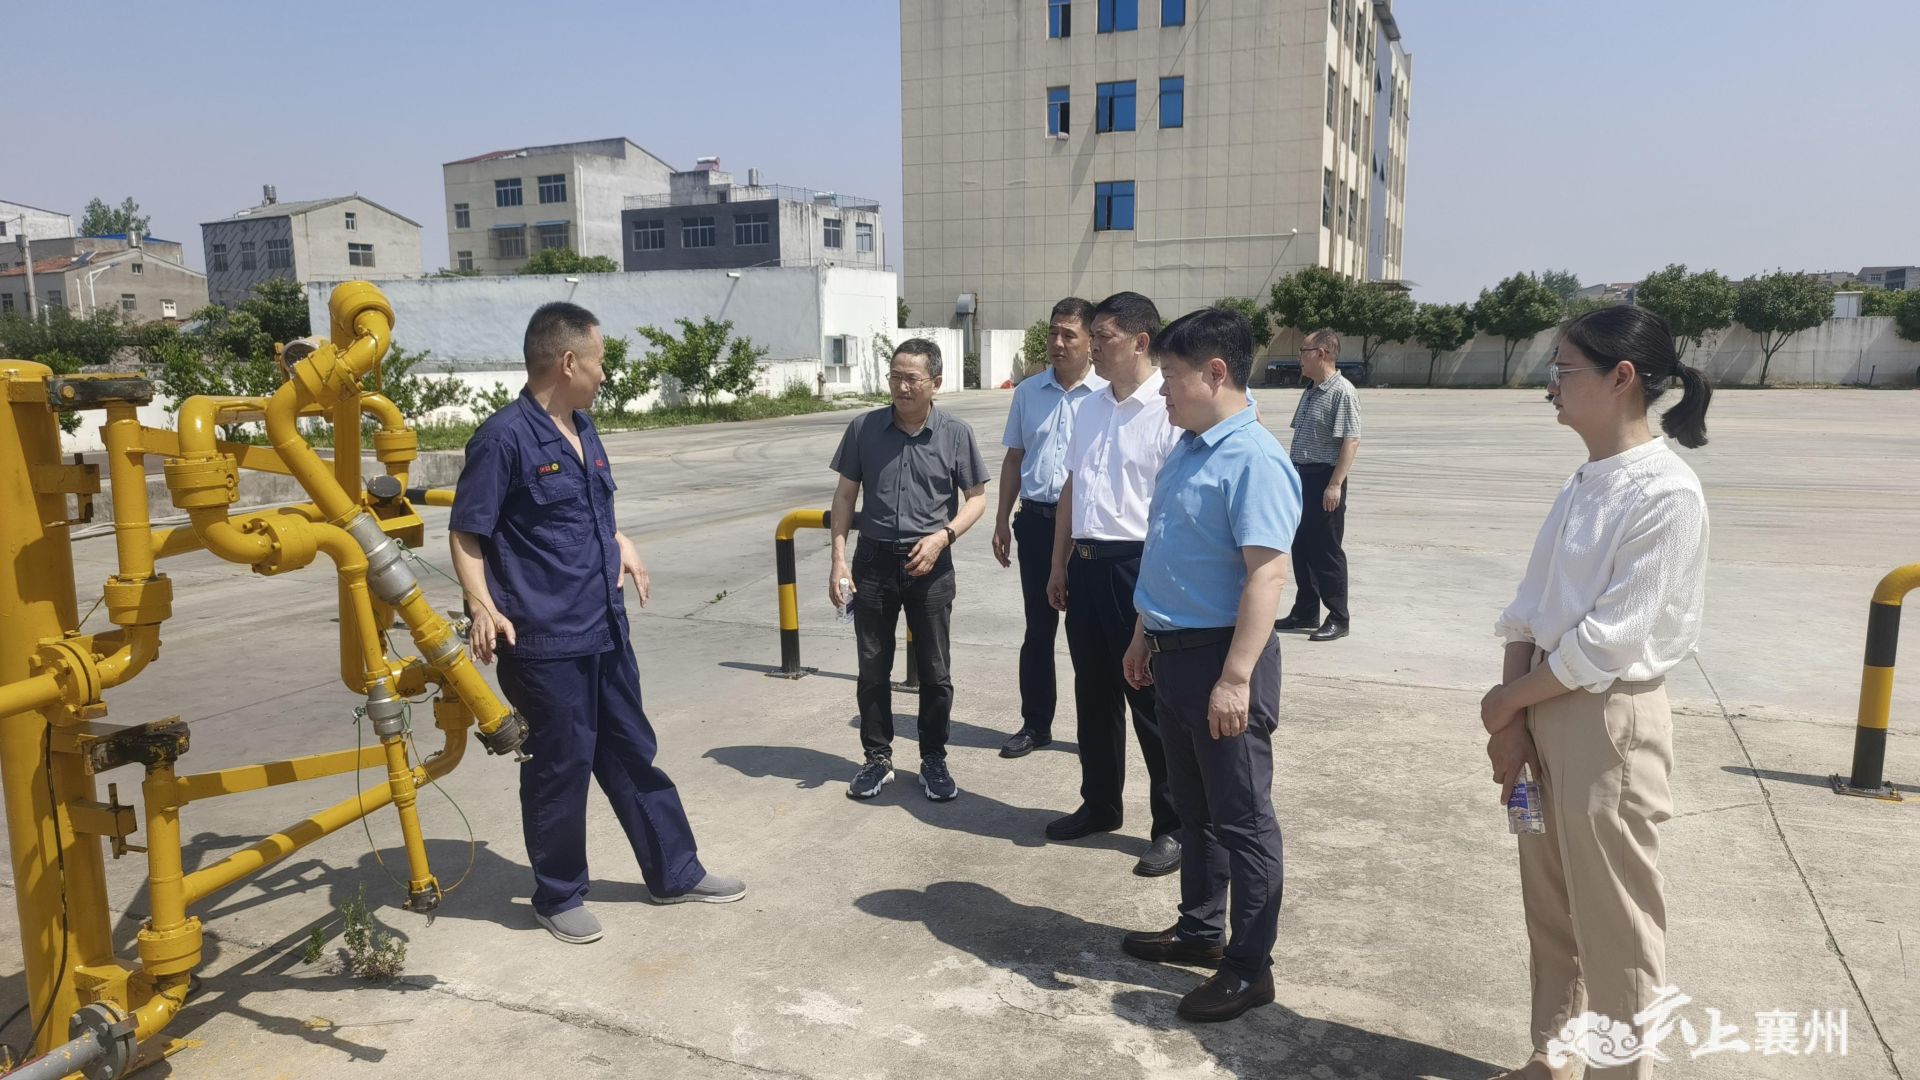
[(535, 548), (1225, 508), (1120, 440), (922, 485), (1039, 428)]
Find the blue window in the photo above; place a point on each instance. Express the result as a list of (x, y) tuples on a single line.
[(1058, 104), (1113, 206), (1059, 18), (1173, 12), (1118, 15), (1113, 106), (1173, 101)]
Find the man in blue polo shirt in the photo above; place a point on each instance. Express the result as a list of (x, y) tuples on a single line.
[(1039, 429), (536, 549), (1225, 507)]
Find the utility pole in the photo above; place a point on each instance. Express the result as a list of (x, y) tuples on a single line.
[(26, 260)]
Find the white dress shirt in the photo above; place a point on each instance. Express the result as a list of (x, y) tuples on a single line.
[(1115, 456), (1617, 584)]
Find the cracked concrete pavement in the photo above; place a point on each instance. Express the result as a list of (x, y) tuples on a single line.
[(904, 938)]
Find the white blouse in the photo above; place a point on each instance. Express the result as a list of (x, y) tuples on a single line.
[(1617, 584)]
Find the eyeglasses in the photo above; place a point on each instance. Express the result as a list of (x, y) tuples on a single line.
[(1556, 371), (909, 382)]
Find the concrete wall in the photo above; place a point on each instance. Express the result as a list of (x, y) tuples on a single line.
[(1845, 352), (1000, 357), (159, 280), (953, 351), (39, 225)]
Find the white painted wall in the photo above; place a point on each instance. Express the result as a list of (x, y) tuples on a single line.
[(999, 357), (953, 350)]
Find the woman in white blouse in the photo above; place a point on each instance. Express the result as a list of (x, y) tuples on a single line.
[(1610, 603)]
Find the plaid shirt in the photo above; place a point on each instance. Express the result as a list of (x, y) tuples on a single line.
[(1327, 413)]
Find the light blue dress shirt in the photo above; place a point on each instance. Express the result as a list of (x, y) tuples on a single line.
[(1218, 492), (1040, 424)]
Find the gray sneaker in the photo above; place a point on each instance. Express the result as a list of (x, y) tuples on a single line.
[(713, 889), (575, 926)]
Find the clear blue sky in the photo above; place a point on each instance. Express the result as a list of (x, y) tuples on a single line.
[(1606, 138)]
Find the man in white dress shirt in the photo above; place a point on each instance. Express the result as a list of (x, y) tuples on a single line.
[(1120, 439)]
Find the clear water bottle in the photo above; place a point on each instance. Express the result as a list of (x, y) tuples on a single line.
[(1524, 817), (844, 613)]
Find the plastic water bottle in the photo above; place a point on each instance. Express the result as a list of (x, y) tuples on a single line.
[(1524, 817), (844, 613)]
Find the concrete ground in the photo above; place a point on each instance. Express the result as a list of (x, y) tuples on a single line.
[(902, 938)]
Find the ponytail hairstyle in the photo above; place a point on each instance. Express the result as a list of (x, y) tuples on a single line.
[(1622, 332)]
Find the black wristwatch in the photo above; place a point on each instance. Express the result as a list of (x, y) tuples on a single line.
[(951, 536)]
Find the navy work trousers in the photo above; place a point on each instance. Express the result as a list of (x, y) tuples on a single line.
[(585, 720)]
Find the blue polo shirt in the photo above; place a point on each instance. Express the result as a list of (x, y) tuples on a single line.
[(545, 521), (1218, 492), (1040, 425)]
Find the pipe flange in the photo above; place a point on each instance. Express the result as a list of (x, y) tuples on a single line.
[(170, 952), (294, 540), (392, 447), (113, 1030), (79, 671), (506, 738), (203, 484)]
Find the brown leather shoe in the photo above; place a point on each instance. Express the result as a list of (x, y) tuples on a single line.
[(1168, 947), (1224, 997)]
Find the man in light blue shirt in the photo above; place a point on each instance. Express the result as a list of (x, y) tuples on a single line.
[(1039, 427), (1225, 508)]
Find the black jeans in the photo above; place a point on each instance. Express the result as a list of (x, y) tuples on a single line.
[(1033, 541), (1100, 617), (883, 589), (1319, 562), (1230, 841)]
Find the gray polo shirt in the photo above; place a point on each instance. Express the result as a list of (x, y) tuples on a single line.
[(910, 486)]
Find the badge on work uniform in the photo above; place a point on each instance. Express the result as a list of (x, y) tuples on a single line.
[(549, 468)]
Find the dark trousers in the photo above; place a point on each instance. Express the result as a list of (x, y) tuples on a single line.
[(883, 589), (1033, 541), (1319, 563), (1224, 789), (584, 718), (1100, 617)]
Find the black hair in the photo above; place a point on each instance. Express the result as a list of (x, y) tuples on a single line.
[(1638, 336), (1131, 313), (1199, 336), (1073, 308), (554, 329), (920, 346)]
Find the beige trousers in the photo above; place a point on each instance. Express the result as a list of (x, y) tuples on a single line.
[(1595, 900)]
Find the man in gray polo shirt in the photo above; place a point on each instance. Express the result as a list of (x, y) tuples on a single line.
[(1326, 437), (921, 483)]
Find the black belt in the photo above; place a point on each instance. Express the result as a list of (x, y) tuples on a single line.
[(1160, 641), (1045, 510), (893, 547), (1298, 465), (1108, 549)]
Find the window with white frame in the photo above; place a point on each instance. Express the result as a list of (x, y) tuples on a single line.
[(169, 309), (137, 268), (649, 234), (359, 254), (751, 230), (217, 257), (552, 235), (863, 236), (553, 189), (831, 232), (247, 260), (509, 241), (696, 232), (353, 222), (129, 303), (462, 218), (506, 192), (463, 260), (280, 254)]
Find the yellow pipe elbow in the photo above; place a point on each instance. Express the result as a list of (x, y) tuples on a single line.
[(135, 648), (222, 537)]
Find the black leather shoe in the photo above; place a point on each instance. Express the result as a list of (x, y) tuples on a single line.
[(1024, 742), (1168, 947), (1331, 630), (1225, 997), (1296, 622), (1078, 824), (1161, 859)]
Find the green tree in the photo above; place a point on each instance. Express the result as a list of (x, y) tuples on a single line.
[(1376, 313), (99, 219), (1779, 305), (1694, 305), (627, 379), (1585, 305), (1906, 321), (1875, 300), (1262, 323), (901, 311), (568, 261), (448, 271), (1309, 299), (416, 395), (225, 353), (1564, 284), (701, 360), (279, 305), (1442, 328), (1516, 309), (87, 340), (1033, 345)]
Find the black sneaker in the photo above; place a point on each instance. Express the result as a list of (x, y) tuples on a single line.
[(877, 773), (936, 781)]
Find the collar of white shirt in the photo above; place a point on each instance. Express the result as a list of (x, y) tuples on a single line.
[(1595, 469), (1141, 393)]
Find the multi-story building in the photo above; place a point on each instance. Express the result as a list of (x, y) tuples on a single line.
[(1392, 70), (19, 219), (505, 206), (335, 239), (143, 279), (1190, 151), (706, 221), (1896, 278)]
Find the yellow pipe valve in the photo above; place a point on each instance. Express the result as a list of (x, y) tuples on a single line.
[(131, 602), (294, 542), (203, 485), (171, 952)]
